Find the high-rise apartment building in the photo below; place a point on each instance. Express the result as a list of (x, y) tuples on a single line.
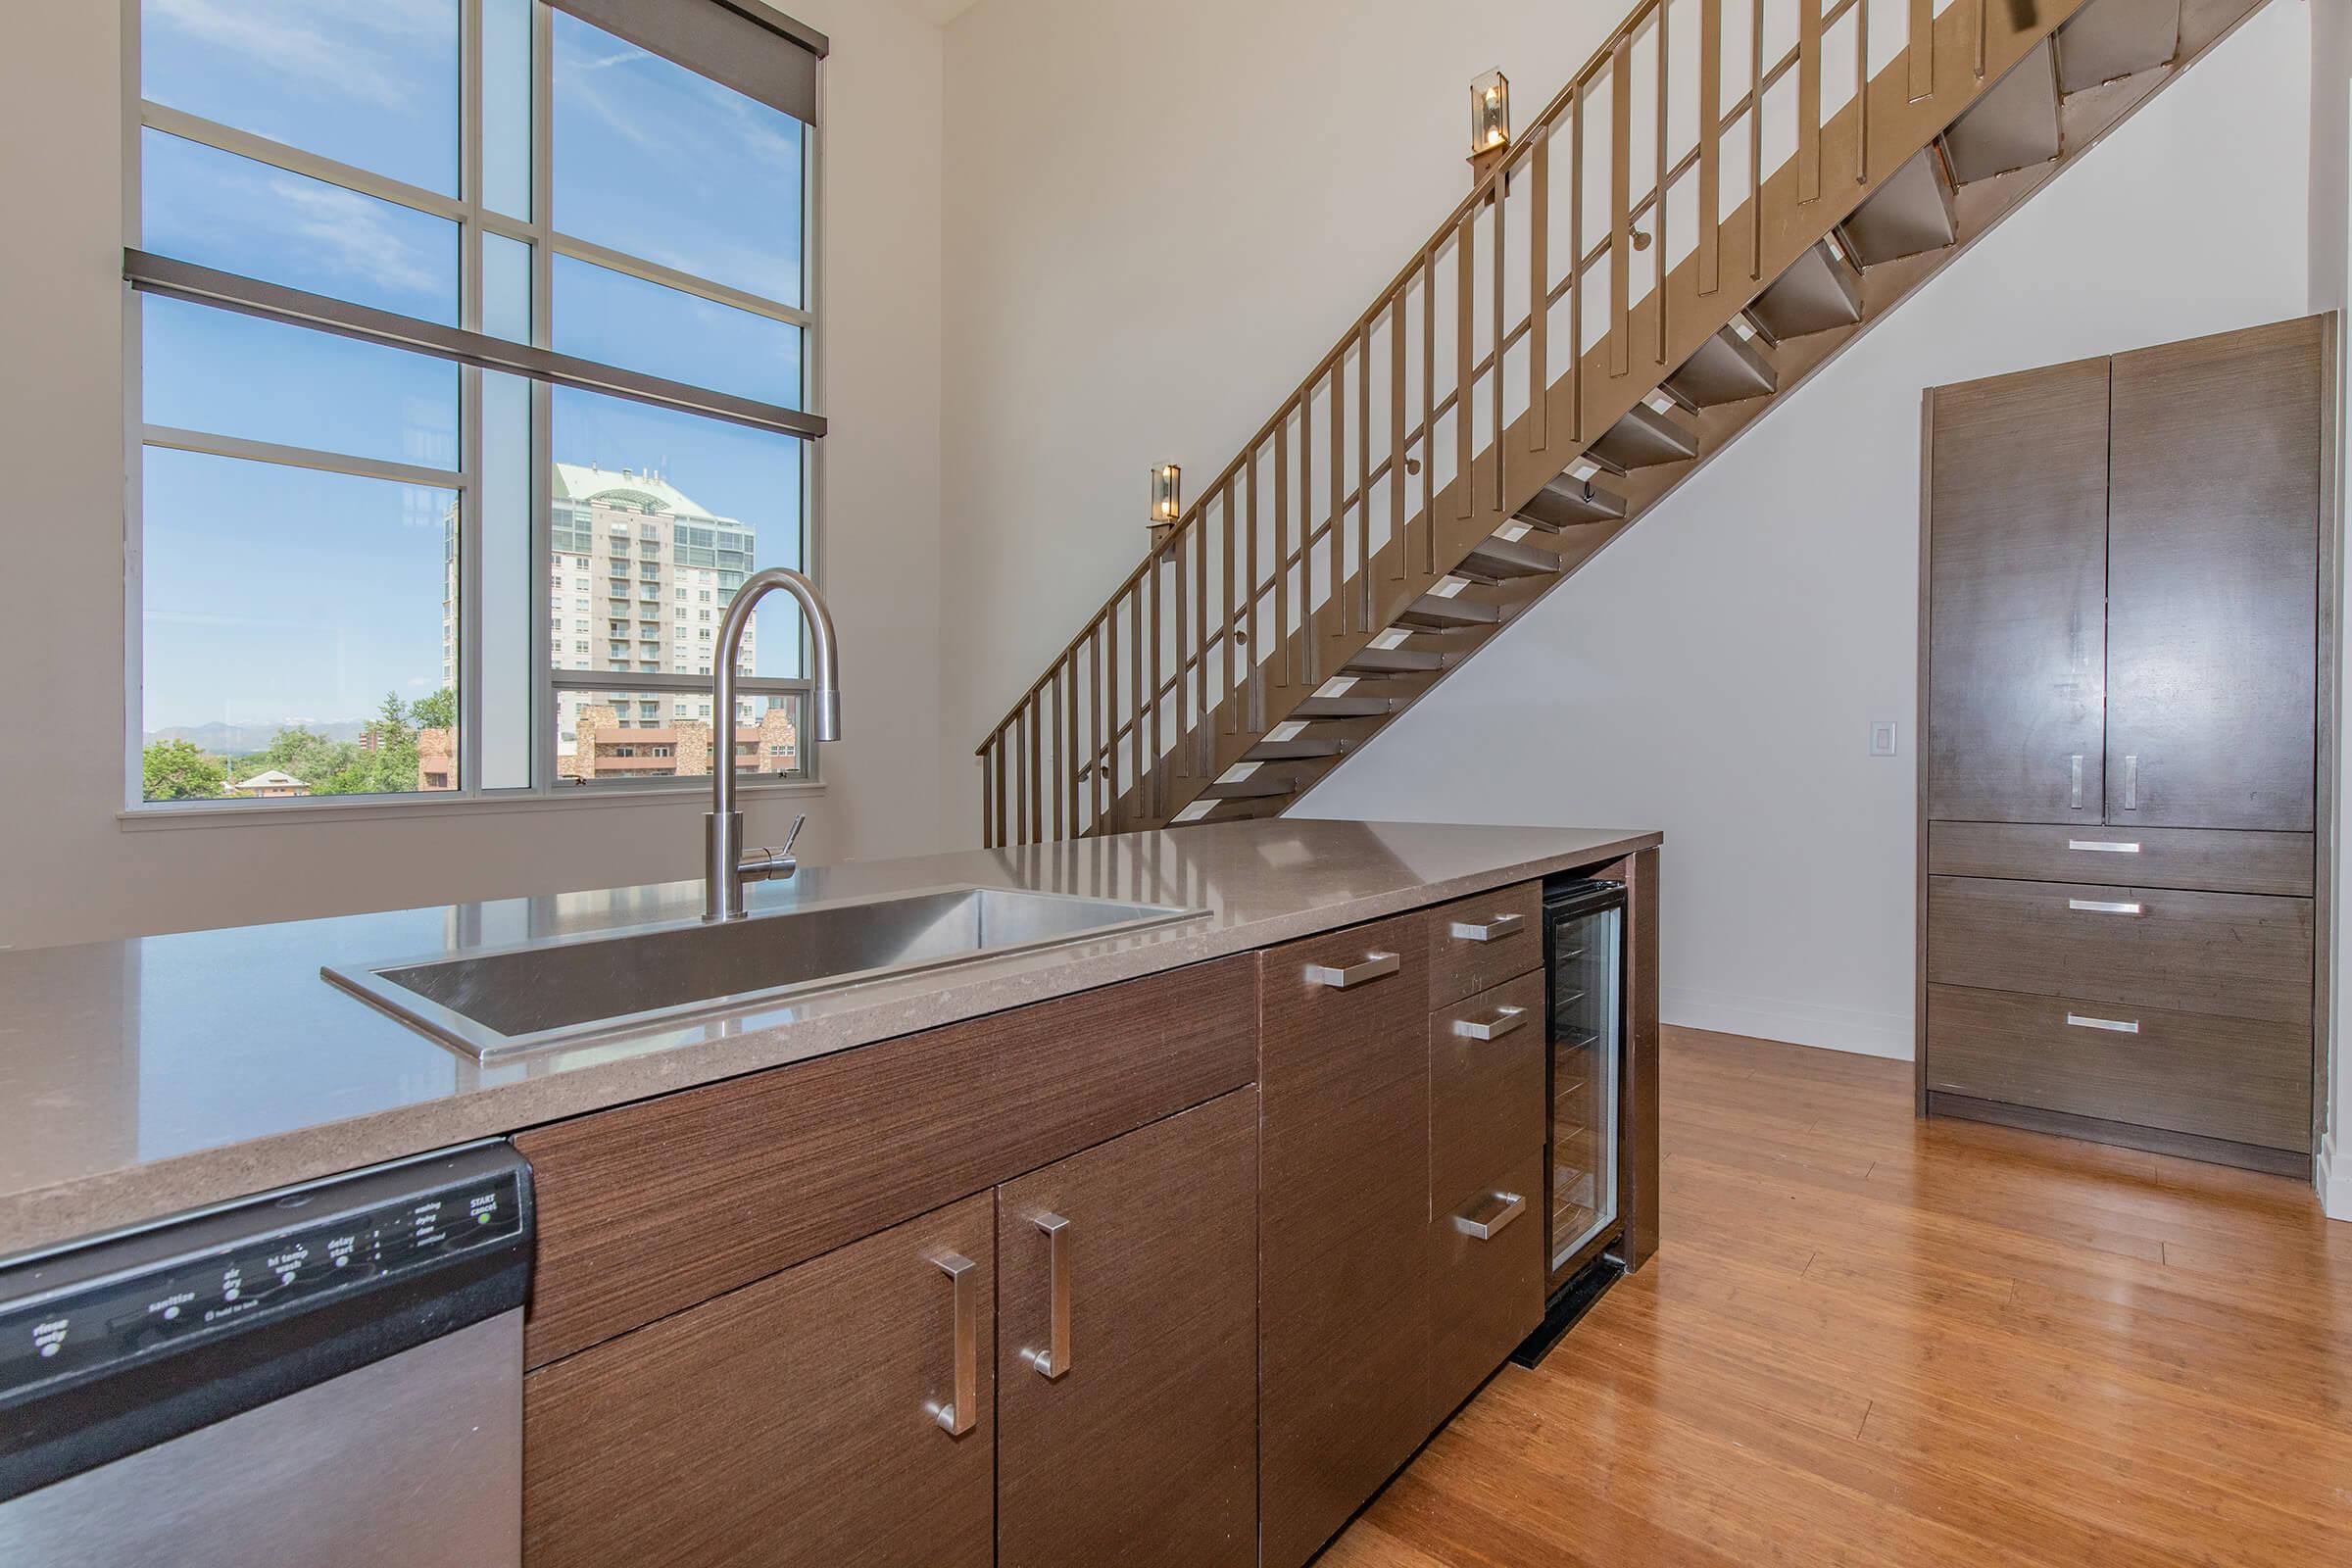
[(638, 577)]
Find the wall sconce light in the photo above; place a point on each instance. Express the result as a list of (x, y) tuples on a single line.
[(1167, 499), (1490, 119)]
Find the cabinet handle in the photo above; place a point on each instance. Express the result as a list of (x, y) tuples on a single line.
[(1506, 1021), (2121, 1026), (1054, 1360), (957, 1416), (2131, 783), (2073, 797), (1502, 925), (1375, 965), (1493, 1213), (2111, 846), (2103, 907)]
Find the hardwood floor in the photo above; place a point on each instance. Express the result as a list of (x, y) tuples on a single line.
[(1872, 1340)]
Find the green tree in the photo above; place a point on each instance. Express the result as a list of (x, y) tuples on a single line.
[(437, 711), (178, 770), (305, 754), (386, 764)]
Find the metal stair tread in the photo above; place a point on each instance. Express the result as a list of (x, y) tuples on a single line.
[(1437, 613)]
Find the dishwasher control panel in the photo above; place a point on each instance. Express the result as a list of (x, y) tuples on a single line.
[(93, 1309)]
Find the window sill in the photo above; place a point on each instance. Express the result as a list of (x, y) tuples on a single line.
[(316, 810)]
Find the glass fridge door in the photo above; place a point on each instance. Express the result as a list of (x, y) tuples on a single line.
[(1585, 1028)]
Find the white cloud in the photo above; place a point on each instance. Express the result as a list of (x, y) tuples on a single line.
[(282, 38), (353, 236)]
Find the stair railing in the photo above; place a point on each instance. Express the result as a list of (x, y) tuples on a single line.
[(1384, 467)]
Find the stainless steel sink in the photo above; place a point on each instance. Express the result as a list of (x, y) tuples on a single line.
[(497, 1002)]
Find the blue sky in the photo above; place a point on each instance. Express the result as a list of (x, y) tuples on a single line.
[(277, 594)]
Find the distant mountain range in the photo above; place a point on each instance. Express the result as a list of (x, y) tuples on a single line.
[(242, 740)]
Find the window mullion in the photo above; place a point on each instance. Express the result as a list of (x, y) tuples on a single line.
[(545, 703), (471, 525)]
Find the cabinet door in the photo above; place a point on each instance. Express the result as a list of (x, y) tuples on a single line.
[(794, 1421), (2017, 547), (2213, 591), (1343, 1226), (1126, 1354)]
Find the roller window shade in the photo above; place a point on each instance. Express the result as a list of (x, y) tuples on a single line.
[(743, 44)]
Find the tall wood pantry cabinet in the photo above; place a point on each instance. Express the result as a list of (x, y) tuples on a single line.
[(2126, 626)]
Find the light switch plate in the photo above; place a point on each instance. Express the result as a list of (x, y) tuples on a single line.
[(1882, 737)]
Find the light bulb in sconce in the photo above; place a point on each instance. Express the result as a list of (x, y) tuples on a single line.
[(1490, 112), (1167, 495)]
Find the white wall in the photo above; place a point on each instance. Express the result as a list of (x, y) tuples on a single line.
[(71, 871), (2331, 290), (1160, 217), (1716, 671)]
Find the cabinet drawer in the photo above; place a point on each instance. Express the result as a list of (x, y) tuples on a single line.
[(652, 1207), (2213, 859), (2242, 1079), (2239, 954), (1487, 1292), (1484, 939), (1486, 1095)]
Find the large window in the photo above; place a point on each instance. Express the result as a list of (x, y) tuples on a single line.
[(472, 344)]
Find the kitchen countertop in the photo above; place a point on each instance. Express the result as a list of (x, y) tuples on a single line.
[(144, 1077)]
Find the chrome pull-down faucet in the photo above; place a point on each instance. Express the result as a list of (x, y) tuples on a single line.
[(725, 865)]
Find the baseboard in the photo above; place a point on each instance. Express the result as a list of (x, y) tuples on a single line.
[(2334, 1179), (1857, 1030)]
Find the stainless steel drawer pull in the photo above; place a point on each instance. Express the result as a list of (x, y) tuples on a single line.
[(2121, 1026), (957, 1415), (2131, 783), (1506, 1021), (1493, 1213), (1502, 925), (2103, 907), (1340, 978), (2073, 797), (1054, 1360), (2109, 846)]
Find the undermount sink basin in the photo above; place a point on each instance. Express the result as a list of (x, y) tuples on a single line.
[(497, 1002)]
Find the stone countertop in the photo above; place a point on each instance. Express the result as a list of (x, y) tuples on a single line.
[(144, 1077)]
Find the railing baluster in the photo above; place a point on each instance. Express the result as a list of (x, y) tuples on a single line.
[(1710, 152), (1110, 712), (988, 820), (1808, 100), (1429, 410), (1576, 258), (1983, 27), (1363, 475), (1201, 619), (1921, 49), (1034, 791), (1098, 708), (1396, 435), (1256, 651), (1069, 766), (1135, 687), (1283, 671), (1539, 293), (1496, 330), (1621, 177), (1465, 328), (1657, 248), (1151, 694), (1755, 143), (1307, 637), (1861, 92), (1339, 501), (1061, 758), (1183, 636), (1233, 647)]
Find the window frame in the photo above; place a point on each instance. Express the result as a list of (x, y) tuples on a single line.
[(473, 220)]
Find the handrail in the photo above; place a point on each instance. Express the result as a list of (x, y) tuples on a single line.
[(1170, 681), (1480, 192)]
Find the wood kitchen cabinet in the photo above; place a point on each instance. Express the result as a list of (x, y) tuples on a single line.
[(807, 1419), (1127, 1350), (2126, 732), (1343, 1227)]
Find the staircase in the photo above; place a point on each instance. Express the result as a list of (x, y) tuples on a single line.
[(1570, 345)]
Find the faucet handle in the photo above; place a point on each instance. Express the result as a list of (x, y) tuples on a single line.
[(777, 862), (792, 834)]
